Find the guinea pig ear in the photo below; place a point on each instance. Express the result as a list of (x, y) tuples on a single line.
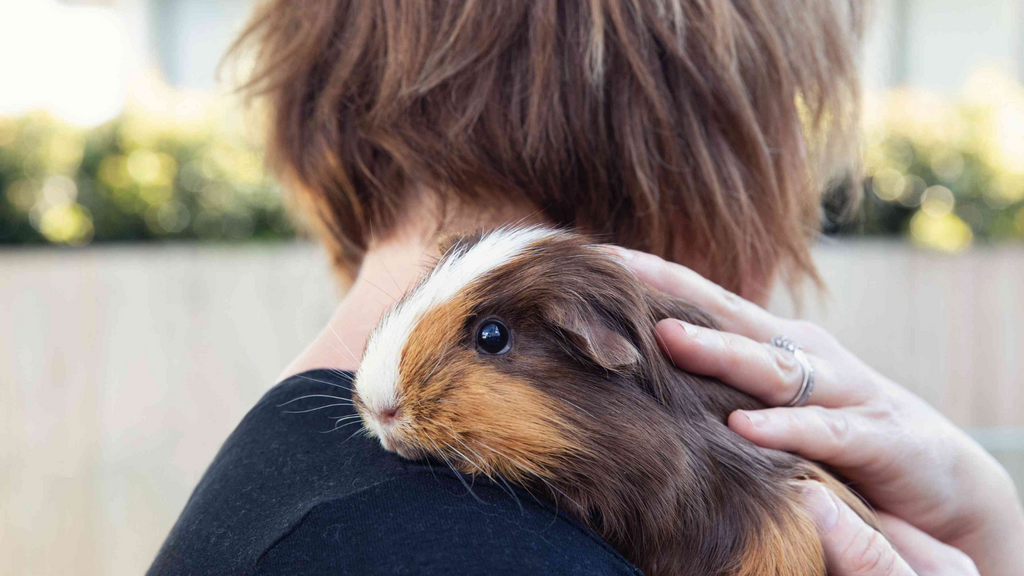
[(605, 346)]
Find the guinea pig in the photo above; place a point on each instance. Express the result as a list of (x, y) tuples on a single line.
[(529, 355)]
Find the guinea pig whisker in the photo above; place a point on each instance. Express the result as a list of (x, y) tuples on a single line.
[(468, 486), (325, 382), (512, 493), (528, 491), (354, 434), (467, 459), (393, 299), (382, 263), (492, 474), (314, 396), (347, 417), (528, 470), (342, 342), (347, 376), (317, 408), (456, 472), (455, 437), (340, 426), (338, 419)]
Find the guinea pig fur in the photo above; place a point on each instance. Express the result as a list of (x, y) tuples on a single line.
[(529, 354)]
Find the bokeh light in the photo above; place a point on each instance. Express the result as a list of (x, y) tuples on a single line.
[(947, 170), (172, 165), (945, 232), (178, 164)]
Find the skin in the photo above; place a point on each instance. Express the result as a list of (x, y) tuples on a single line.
[(946, 506)]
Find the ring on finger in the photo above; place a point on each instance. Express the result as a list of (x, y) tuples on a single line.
[(806, 369)]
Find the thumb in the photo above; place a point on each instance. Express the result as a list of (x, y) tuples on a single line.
[(852, 548)]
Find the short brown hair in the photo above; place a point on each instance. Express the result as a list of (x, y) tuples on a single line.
[(699, 130)]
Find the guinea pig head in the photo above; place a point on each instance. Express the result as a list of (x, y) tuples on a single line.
[(513, 356)]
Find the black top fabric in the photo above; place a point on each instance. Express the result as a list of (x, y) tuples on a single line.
[(289, 494)]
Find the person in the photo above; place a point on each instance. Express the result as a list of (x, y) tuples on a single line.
[(697, 134)]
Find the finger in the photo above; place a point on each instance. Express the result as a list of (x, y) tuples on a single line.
[(852, 548), (733, 313), (762, 370), (926, 555), (839, 438)]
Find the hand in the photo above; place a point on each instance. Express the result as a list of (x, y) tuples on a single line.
[(852, 548), (931, 480)]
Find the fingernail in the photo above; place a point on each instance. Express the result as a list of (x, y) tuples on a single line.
[(691, 330), (756, 418), (822, 505)]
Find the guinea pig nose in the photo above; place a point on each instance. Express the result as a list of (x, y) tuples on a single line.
[(388, 414)]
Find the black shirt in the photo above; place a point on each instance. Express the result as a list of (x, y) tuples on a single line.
[(290, 494)]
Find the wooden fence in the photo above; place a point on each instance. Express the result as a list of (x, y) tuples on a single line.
[(122, 369)]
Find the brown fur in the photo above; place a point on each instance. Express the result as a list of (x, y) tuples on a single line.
[(586, 409), (701, 130)]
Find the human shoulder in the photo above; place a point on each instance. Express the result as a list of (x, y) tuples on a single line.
[(296, 480), (426, 524)]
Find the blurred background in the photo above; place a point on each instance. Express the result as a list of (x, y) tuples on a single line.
[(149, 273)]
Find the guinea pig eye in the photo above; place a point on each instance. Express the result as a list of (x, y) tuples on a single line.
[(493, 337)]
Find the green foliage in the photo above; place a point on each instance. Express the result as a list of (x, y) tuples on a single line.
[(134, 179), (946, 172), (187, 168)]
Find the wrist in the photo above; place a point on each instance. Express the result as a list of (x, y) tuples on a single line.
[(994, 532), (998, 548)]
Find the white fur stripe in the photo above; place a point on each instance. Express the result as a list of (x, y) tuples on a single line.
[(378, 379)]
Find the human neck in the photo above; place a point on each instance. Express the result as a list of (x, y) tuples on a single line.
[(389, 269)]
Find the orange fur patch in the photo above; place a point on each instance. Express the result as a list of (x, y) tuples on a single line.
[(786, 544), (458, 405), (855, 502)]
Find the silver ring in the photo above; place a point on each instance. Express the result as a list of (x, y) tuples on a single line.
[(807, 382)]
